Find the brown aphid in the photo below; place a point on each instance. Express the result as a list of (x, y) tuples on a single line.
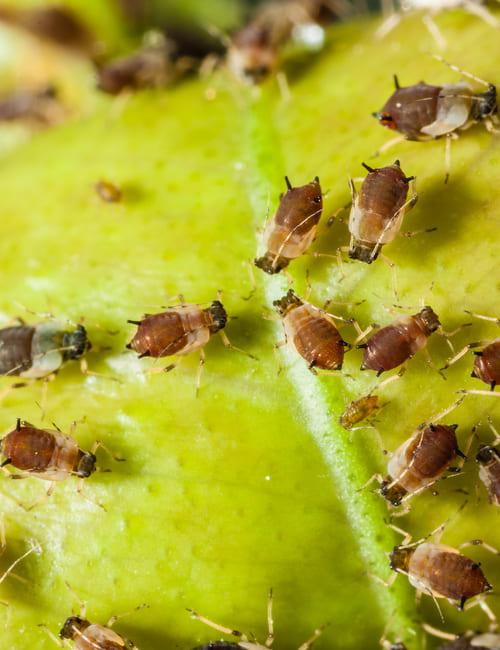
[(488, 460), (180, 330), (378, 210), (358, 410), (108, 192), (391, 346), (422, 112), (152, 66), (47, 454), (419, 462), (251, 55), (292, 228), (487, 364), (311, 333), (36, 107), (473, 641), (440, 571)]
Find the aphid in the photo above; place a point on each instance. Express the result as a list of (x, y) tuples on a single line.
[(152, 66), (438, 570), (292, 228), (91, 636), (37, 107), (473, 641), (251, 55), (422, 112), (311, 332), (244, 641), (377, 211), (391, 346), (47, 454), (35, 351), (488, 460), (180, 330), (109, 192), (358, 410)]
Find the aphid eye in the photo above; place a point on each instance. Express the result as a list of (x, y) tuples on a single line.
[(317, 199)]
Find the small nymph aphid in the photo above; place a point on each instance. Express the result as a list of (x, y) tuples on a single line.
[(47, 454), (311, 332), (292, 229), (251, 54)]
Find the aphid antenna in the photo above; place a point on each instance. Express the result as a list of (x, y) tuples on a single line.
[(35, 547), (429, 591), (457, 69), (292, 232)]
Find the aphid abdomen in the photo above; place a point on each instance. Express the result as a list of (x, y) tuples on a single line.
[(98, 637), (488, 460), (177, 331), (424, 458), (50, 454), (487, 364), (46, 350), (15, 349), (410, 109), (313, 335), (446, 573), (453, 110), (391, 346)]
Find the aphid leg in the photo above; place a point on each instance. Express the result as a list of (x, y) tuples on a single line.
[(64, 643), (227, 343), (114, 618), (392, 266), (447, 155), (388, 145), (270, 621), (307, 644), (457, 69), (85, 370), (362, 335), (495, 432), (489, 318), (439, 633), (488, 123), (283, 86), (98, 444), (386, 583), (83, 609), (198, 373), (406, 536), (216, 626), (34, 547), (479, 542), (51, 489), (330, 222), (12, 387), (431, 362), (276, 348), (79, 489), (479, 601), (468, 391), (462, 352), (375, 477), (391, 378), (434, 31)]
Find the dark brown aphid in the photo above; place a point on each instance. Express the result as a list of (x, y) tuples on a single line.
[(150, 67), (36, 107), (39, 350), (419, 462), (440, 571), (488, 460), (422, 112), (311, 332), (108, 192), (251, 55), (244, 641), (473, 641), (47, 454), (377, 211), (487, 364), (292, 228), (358, 410), (391, 346)]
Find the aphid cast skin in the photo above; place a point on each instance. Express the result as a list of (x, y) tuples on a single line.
[(391, 346), (311, 332), (422, 112), (291, 230), (35, 351), (378, 210), (251, 55)]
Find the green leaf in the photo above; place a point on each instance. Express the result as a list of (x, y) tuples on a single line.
[(252, 485)]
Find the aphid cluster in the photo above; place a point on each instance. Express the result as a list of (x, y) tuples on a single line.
[(420, 112)]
